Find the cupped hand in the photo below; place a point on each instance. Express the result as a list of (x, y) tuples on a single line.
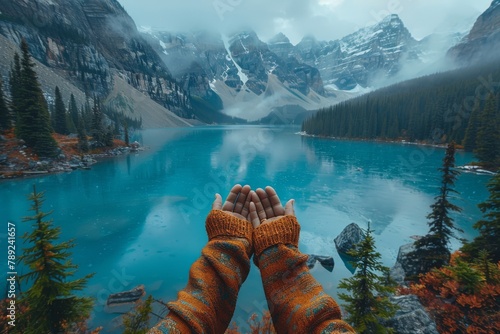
[(266, 207), (237, 202)]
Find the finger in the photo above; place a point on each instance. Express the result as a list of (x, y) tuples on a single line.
[(246, 206), (253, 216), (239, 205), (231, 198), (275, 202), (261, 213), (289, 207), (266, 205), (217, 204)]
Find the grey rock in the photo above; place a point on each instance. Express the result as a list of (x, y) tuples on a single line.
[(404, 263), (350, 236), (326, 261), (3, 158), (397, 273), (411, 317), (483, 39)]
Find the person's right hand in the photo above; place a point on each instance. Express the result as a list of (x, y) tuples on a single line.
[(266, 207)]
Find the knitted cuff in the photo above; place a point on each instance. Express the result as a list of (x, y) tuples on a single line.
[(285, 230), (220, 223)]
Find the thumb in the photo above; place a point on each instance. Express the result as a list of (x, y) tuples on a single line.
[(217, 204), (289, 210)]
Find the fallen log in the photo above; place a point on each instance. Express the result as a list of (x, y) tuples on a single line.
[(126, 297)]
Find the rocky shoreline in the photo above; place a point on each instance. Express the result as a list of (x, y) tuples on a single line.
[(18, 161)]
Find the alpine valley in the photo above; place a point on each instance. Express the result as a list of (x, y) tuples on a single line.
[(92, 48)]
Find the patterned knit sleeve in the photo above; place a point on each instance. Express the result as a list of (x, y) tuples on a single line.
[(206, 305), (297, 302)]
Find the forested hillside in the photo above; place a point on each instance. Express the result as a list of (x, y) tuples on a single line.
[(432, 109)]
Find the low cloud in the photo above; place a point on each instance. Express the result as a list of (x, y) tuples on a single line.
[(325, 19)]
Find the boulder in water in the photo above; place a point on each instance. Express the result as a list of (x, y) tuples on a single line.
[(326, 261), (350, 236)]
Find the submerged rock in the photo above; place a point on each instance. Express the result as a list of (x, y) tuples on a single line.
[(326, 261), (411, 317), (350, 236), (125, 297)]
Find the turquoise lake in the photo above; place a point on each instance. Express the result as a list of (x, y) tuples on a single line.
[(139, 219)]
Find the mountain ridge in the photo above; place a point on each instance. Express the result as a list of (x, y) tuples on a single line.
[(85, 42)]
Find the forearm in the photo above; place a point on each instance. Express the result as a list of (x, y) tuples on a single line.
[(297, 302), (207, 303)]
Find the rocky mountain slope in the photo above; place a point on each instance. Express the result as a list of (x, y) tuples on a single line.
[(241, 72), (88, 42), (483, 41), (359, 58)]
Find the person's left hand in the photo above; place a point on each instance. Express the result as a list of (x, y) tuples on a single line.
[(237, 202)]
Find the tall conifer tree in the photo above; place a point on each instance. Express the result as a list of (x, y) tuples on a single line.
[(489, 227), (368, 303), (5, 119), (432, 249), (488, 136), (50, 303), (83, 144), (73, 111), (15, 89), (472, 126), (33, 122), (60, 123), (97, 128)]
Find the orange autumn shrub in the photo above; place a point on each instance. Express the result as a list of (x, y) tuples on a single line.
[(462, 297)]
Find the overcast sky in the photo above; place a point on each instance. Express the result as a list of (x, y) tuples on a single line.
[(325, 19)]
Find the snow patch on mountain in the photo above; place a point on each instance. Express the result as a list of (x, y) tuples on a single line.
[(241, 74)]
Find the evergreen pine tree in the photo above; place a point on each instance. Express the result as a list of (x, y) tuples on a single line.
[(15, 89), (489, 227), (488, 136), (431, 251), (50, 303), (73, 112), (5, 120), (108, 137), (137, 320), (33, 122), (60, 122), (125, 130), (367, 304), (83, 144), (97, 129), (472, 126), (87, 116)]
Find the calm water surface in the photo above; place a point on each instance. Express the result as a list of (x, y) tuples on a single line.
[(139, 219)]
